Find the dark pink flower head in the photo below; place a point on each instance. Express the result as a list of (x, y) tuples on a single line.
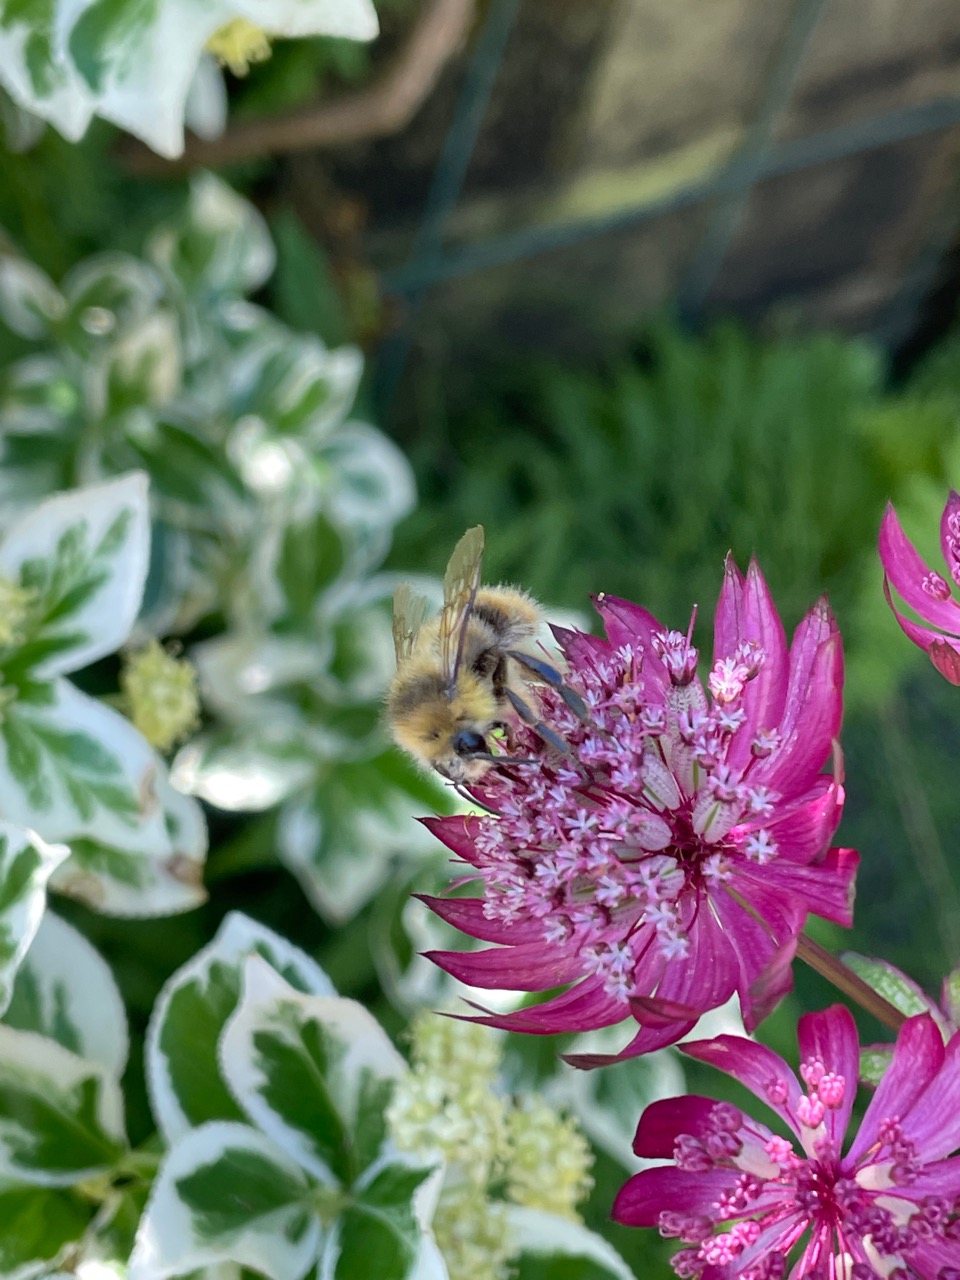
[(926, 592), (671, 857), (744, 1200)]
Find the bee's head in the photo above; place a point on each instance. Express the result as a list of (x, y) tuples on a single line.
[(447, 728)]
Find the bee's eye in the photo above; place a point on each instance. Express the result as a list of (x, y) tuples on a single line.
[(467, 742)]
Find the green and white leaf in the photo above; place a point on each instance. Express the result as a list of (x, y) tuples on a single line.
[(218, 245), (314, 1072), (29, 300), (26, 864), (85, 555), (122, 880), (61, 1116), (73, 767), (225, 1193), (65, 991), (39, 1224), (183, 1073), (108, 296), (378, 1232), (535, 1233), (342, 839), (133, 61), (247, 770), (33, 70), (371, 487)]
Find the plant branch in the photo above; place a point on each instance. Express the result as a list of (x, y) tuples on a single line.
[(849, 983), (381, 109)]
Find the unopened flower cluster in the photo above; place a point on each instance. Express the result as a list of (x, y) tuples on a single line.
[(494, 1152)]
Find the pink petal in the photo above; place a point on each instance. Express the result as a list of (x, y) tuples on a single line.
[(753, 617), (466, 914), (640, 1201), (755, 1066), (579, 647), (628, 624), (646, 1040), (811, 718), (458, 833), (728, 618), (804, 827), (935, 1257), (906, 569), (948, 541), (831, 1036), (530, 966), (924, 637), (917, 1057), (584, 1007), (767, 990), (945, 656), (826, 890), (933, 1122), (663, 1122), (706, 977)]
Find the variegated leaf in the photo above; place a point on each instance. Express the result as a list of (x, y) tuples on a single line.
[(61, 1116), (314, 1072), (65, 990), (183, 1074), (225, 1193), (26, 864)]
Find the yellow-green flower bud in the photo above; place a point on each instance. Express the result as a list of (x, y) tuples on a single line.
[(239, 44), (549, 1161), (472, 1234), (161, 695), (15, 602)]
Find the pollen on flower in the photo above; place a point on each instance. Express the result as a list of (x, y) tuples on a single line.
[(239, 44), (549, 1160), (161, 695), (15, 606)]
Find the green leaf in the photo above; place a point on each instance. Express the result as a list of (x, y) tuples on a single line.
[(182, 1060), (64, 990), (303, 1066), (72, 767), (219, 246), (128, 880), (38, 1223), (551, 1247), (29, 302), (102, 38), (26, 864), (226, 1194), (84, 556), (61, 1117), (340, 840), (379, 1232)]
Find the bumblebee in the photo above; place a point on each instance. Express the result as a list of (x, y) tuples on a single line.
[(460, 676)]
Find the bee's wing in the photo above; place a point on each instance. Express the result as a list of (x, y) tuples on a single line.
[(410, 611), (460, 583)]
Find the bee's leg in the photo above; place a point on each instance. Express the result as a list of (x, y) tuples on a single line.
[(530, 717), (551, 676)]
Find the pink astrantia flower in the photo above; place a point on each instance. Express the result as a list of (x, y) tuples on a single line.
[(741, 1197), (926, 592), (671, 857)]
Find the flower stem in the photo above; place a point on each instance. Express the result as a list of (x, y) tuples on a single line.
[(846, 981)]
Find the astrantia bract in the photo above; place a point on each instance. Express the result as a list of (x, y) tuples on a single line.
[(753, 1205), (925, 591), (671, 858)]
